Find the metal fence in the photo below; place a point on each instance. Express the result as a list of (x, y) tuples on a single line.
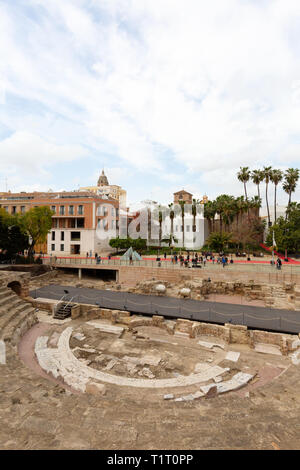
[(292, 270)]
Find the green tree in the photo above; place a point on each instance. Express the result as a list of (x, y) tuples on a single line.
[(267, 177), (36, 223), (276, 177), (219, 241), (287, 231), (12, 239), (244, 176), (210, 211), (257, 177), (182, 203), (172, 216), (291, 177)]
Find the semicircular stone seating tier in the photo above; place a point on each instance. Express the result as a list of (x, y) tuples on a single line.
[(61, 362)]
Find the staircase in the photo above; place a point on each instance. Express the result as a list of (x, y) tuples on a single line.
[(63, 311), (16, 316)]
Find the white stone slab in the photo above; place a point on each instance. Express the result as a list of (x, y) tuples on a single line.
[(237, 381), (116, 330), (110, 364), (150, 360), (41, 343), (198, 394), (208, 345), (295, 357), (267, 349), (232, 356), (79, 336), (2, 352), (181, 334), (169, 396), (88, 350)]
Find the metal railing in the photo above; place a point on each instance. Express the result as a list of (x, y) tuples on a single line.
[(209, 266)]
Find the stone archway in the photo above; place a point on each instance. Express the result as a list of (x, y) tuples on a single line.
[(16, 287)]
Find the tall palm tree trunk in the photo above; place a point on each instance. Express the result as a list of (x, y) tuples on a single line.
[(267, 202), (275, 203)]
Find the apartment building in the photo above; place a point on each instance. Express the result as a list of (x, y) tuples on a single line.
[(82, 222)]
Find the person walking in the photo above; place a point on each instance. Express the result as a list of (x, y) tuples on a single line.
[(279, 263), (223, 261)]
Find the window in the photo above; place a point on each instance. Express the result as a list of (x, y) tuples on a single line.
[(53, 236), (62, 247), (80, 210), (22, 209), (53, 208), (75, 236), (62, 210), (14, 209), (6, 208), (80, 223), (71, 210), (187, 228), (53, 247), (62, 236)]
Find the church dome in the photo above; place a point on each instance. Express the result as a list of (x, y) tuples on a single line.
[(102, 181)]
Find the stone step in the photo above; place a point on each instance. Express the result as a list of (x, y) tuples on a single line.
[(6, 309), (4, 289), (6, 302), (21, 311), (8, 331), (7, 294)]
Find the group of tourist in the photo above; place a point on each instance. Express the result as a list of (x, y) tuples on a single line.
[(199, 260)]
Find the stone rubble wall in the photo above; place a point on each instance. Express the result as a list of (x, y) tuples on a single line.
[(231, 334), (282, 296)]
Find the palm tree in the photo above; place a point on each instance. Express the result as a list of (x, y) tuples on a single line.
[(160, 220), (291, 177), (276, 177), (210, 210), (194, 212), (267, 176), (244, 176), (182, 218), (172, 216), (257, 177), (241, 208)]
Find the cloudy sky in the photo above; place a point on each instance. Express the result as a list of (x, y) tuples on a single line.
[(164, 94)]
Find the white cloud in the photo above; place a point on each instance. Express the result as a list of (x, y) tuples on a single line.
[(215, 85), (32, 154)]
